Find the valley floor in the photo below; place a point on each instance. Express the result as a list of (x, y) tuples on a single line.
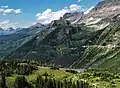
[(96, 79)]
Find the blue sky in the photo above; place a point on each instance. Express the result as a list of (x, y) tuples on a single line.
[(23, 13)]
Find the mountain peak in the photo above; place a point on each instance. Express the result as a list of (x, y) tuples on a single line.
[(112, 1), (1, 29), (59, 22), (10, 29), (106, 3), (73, 17), (37, 25), (67, 15)]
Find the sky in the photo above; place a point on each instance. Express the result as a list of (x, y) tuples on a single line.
[(24, 13)]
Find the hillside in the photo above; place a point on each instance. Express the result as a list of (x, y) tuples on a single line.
[(76, 45), (105, 53), (76, 40), (61, 44), (11, 39)]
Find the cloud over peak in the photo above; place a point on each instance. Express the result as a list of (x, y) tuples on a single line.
[(74, 7), (6, 24), (48, 15)]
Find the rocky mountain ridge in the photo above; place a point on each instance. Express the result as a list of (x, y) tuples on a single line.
[(100, 16)]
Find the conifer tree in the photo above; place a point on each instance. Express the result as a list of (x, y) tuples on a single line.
[(78, 84), (3, 80), (21, 82), (65, 84), (39, 82)]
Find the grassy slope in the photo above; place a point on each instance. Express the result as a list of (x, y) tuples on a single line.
[(60, 75)]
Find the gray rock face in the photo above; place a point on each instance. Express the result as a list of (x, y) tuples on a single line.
[(73, 17), (99, 17), (1, 29), (37, 25)]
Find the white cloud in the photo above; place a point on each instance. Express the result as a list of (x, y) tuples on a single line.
[(48, 15), (4, 23), (8, 10), (17, 11), (48, 11), (74, 7), (7, 23), (38, 14), (79, 0), (1, 10), (5, 10), (89, 10), (4, 6)]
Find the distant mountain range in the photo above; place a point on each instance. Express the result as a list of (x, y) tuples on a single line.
[(76, 40), (32, 29)]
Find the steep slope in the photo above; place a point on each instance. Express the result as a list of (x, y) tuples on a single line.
[(73, 17), (88, 41), (8, 43), (32, 29), (10, 39), (61, 43), (1, 29), (99, 17), (106, 52)]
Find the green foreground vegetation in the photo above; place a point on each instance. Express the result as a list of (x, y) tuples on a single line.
[(98, 79), (58, 74), (15, 71)]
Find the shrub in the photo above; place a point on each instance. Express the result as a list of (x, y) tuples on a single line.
[(54, 68), (72, 71), (21, 82), (45, 74)]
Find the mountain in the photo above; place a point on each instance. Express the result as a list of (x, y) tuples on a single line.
[(116, 1), (37, 25), (73, 17), (106, 51), (1, 29), (76, 40), (99, 17), (61, 43), (29, 31), (32, 29), (10, 39), (10, 29)]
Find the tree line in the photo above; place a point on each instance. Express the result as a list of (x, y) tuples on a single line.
[(26, 67), (42, 82)]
